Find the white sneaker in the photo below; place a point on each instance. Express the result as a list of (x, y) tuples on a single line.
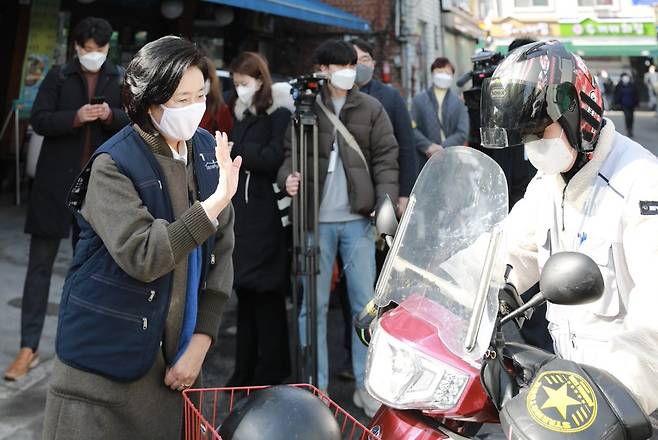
[(366, 402)]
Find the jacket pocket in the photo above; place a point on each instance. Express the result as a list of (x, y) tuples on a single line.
[(148, 293), (105, 340), (148, 183), (609, 305)]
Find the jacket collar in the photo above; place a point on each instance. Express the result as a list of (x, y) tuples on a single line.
[(432, 96), (372, 87), (158, 145), (353, 99), (281, 98), (580, 186)]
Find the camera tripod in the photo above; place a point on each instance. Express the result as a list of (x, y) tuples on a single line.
[(305, 235)]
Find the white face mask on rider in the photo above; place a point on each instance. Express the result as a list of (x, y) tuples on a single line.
[(180, 123), (550, 156)]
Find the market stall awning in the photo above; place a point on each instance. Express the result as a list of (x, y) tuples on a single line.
[(306, 10)]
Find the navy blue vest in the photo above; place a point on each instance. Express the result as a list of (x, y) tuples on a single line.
[(110, 323)]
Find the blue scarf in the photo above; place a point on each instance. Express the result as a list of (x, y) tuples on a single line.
[(191, 301)]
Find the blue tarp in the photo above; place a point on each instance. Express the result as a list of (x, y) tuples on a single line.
[(306, 10)]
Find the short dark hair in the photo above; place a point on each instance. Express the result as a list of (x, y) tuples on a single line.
[(364, 46), (93, 28), (442, 62), (154, 74), (334, 52), (518, 42)]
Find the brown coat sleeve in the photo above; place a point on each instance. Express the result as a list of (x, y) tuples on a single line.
[(384, 153), (219, 281), (146, 248)]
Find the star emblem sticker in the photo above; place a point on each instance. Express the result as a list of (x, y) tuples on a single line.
[(559, 399)]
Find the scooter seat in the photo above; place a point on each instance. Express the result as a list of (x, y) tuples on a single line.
[(567, 400), (628, 411)]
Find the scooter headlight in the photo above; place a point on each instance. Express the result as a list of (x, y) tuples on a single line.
[(405, 378)]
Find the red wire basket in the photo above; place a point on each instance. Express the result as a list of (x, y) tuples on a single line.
[(206, 408)]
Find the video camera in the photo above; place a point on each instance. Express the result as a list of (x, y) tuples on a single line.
[(305, 88), (484, 64)]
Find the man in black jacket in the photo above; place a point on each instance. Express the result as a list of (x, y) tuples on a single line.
[(78, 107), (397, 113)]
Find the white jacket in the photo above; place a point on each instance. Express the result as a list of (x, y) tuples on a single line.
[(609, 211)]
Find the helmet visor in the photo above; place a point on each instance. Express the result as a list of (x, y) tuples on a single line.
[(512, 112)]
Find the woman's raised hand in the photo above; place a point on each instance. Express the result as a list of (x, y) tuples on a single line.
[(227, 184), (228, 169)]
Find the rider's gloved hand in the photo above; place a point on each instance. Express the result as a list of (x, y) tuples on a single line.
[(363, 320), (510, 300)]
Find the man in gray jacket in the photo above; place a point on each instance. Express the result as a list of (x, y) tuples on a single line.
[(352, 178), (440, 117)]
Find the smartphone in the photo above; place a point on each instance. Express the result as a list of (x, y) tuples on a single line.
[(97, 100)]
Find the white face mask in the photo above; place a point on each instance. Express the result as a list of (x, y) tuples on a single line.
[(92, 61), (343, 79), (442, 80), (550, 156), (246, 93), (625, 79), (180, 123)]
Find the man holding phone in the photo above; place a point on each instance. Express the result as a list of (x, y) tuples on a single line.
[(77, 109)]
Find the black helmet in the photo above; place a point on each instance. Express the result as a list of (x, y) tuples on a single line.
[(536, 85), (280, 413)]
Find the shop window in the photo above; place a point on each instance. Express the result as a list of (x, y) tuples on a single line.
[(530, 3)]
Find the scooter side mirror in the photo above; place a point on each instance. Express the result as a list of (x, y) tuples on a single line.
[(386, 221), (568, 278), (571, 278)]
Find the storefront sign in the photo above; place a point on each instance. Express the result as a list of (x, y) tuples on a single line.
[(41, 44), (592, 28), (514, 28)]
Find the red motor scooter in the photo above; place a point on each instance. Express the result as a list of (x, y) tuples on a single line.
[(438, 359)]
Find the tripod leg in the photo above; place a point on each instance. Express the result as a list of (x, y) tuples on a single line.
[(314, 251), (297, 356)]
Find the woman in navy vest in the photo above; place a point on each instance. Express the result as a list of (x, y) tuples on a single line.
[(143, 299)]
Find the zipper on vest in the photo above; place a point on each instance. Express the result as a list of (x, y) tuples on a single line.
[(160, 183), (246, 187), (151, 296), (145, 323)]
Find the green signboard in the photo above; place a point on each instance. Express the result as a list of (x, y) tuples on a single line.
[(593, 28)]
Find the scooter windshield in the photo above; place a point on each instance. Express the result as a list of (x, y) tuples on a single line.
[(444, 266)]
